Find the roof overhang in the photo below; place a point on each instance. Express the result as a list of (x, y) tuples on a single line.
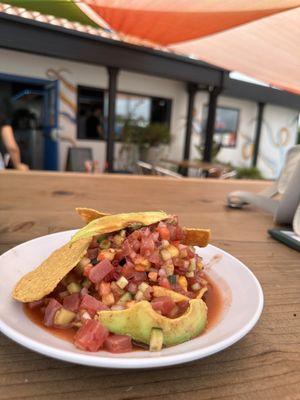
[(35, 37)]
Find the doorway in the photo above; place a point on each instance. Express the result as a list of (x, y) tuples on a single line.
[(34, 112)]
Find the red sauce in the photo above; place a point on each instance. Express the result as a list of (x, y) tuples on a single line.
[(213, 298), (215, 305), (36, 316)]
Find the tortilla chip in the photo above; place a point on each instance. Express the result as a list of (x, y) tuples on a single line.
[(89, 214), (116, 222), (196, 237), (43, 280)]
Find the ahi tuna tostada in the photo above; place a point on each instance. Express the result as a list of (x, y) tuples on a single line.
[(123, 279)]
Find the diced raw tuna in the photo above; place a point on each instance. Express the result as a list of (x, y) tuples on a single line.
[(50, 312), (91, 305), (128, 270), (36, 304), (91, 335), (118, 343), (132, 287), (72, 302), (100, 270), (147, 246), (163, 304)]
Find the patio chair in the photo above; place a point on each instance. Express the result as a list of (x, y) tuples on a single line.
[(144, 168), (166, 172), (287, 185)]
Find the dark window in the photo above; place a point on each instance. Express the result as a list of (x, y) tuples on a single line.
[(226, 125), (90, 115), (131, 109)]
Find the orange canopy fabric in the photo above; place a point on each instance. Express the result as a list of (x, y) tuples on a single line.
[(260, 38)]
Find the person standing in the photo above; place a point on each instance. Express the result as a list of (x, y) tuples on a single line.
[(8, 144)]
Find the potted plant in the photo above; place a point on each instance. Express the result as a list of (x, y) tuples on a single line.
[(145, 137)]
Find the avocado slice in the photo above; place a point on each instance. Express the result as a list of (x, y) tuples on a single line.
[(139, 320)]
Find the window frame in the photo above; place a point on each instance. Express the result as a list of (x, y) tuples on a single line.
[(224, 132), (125, 92)]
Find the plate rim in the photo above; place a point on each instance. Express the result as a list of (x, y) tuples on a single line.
[(134, 363)]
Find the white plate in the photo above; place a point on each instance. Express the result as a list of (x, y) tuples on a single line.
[(237, 281)]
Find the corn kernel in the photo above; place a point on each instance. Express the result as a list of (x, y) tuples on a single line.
[(165, 255), (183, 282), (153, 276), (173, 250)]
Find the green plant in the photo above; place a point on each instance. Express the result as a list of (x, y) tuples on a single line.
[(248, 173), (145, 136), (215, 150)]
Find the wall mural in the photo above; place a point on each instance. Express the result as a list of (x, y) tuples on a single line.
[(66, 87), (278, 140)]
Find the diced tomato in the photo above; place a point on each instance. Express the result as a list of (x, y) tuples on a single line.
[(91, 305), (36, 304), (128, 270), (72, 302), (164, 282), (91, 335), (118, 343), (92, 253), (104, 288), (163, 231), (87, 269), (50, 312), (163, 304), (100, 270)]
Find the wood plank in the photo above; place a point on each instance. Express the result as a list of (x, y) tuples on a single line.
[(265, 365)]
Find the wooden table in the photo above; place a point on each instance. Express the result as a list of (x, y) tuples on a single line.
[(265, 365)]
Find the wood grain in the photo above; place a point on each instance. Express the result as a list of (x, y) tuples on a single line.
[(265, 365)]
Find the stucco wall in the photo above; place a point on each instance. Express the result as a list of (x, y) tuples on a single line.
[(89, 75)]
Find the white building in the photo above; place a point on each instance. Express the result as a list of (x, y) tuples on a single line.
[(279, 124)]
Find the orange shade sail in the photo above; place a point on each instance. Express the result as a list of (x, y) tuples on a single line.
[(260, 38)]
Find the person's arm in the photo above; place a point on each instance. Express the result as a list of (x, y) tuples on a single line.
[(100, 131), (12, 147)]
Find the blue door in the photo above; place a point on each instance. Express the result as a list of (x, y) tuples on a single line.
[(50, 125)]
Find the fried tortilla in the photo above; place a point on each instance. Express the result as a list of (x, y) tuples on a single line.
[(41, 281), (193, 237), (116, 222), (89, 214), (196, 237)]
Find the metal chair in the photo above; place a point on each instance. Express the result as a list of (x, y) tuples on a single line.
[(160, 171), (144, 168)]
